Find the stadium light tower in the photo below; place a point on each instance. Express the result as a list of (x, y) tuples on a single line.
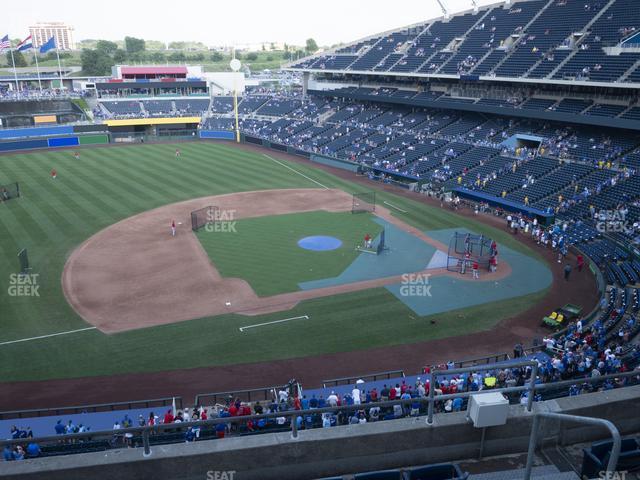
[(235, 67), (445, 12)]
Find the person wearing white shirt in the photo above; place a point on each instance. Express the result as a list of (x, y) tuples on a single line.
[(332, 399), (355, 394), (283, 395)]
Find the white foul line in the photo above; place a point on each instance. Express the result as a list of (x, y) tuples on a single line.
[(47, 336), (296, 171), (393, 206), (242, 329)]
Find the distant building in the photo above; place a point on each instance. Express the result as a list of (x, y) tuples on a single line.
[(41, 32)]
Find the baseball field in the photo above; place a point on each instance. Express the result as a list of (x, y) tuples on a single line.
[(111, 291)]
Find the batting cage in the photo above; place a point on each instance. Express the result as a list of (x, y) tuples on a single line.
[(466, 248), (203, 216), (7, 192), (364, 202)]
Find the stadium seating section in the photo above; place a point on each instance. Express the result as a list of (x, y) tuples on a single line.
[(553, 39)]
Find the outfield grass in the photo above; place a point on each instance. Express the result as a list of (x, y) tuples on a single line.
[(265, 252), (109, 184)]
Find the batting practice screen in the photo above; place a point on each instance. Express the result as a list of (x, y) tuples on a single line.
[(23, 258), (465, 248), (364, 202), (7, 192), (203, 217)]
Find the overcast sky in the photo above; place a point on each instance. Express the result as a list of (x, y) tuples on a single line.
[(214, 23)]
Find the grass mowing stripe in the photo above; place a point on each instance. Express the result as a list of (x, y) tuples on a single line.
[(77, 185), (174, 178), (58, 194), (44, 212), (114, 177)]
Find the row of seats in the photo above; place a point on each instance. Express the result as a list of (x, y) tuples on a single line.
[(562, 39)]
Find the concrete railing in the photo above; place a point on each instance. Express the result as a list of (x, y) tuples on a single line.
[(290, 417)]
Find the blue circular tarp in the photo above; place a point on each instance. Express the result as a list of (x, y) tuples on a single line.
[(320, 243)]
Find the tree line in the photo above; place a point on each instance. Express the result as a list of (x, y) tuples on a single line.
[(98, 61)]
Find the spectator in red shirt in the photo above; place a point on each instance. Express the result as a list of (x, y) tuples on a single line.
[(168, 417), (392, 394), (374, 395)]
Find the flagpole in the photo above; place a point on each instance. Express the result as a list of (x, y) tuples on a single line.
[(15, 73), (59, 67), (35, 56)]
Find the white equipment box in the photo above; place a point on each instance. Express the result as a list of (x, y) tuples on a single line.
[(488, 409)]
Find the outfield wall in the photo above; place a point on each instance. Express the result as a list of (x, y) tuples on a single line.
[(53, 142), (16, 139)]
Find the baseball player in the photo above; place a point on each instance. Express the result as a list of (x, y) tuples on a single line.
[(76, 155), (173, 228), (54, 174), (177, 153)]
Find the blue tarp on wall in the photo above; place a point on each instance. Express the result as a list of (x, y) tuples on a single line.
[(63, 142), (219, 134), (35, 132), (23, 145)]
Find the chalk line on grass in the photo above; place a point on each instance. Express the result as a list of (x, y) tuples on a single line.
[(296, 171), (48, 336), (246, 327)]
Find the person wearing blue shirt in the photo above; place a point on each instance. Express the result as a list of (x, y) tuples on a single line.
[(60, 430), (33, 450), (457, 404), (7, 453)]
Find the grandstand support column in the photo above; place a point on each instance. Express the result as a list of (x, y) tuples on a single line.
[(432, 388), (305, 84), (532, 387), (145, 443)]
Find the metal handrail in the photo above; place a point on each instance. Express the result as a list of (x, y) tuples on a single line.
[(533, 439), (353, 378), (430, 400), (39, 412), (239, 393)]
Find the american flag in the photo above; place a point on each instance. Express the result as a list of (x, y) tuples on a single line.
[(5, 43)]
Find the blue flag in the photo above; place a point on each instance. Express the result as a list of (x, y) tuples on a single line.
[(50, 45)]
